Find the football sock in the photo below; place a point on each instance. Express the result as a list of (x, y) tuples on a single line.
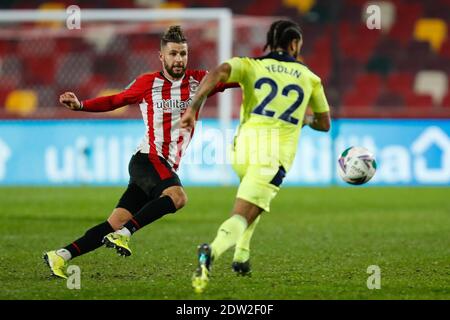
[(64, 253), (91, 240), (150, 212), (228, 234), (124, 232), (242, 251)]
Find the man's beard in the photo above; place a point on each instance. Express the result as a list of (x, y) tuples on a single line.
[(172, 73)]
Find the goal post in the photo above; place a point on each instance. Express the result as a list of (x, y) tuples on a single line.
[(222, 16)]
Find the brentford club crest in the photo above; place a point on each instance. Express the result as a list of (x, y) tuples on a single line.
[(193, 84)]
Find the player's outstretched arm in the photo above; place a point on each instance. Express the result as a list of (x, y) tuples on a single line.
[(208, 84), (100, 104), (131, 95)]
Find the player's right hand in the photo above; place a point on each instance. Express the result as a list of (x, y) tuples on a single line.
[(70, 100), (188, 119)]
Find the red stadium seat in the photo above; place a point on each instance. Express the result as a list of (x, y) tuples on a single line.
[(39, 70), (3, 94), (358, 99), (144, 43), (348, 71), (446, 101), (7, 47), (322, 45), (262, 8), (445, 49), (407, 14), (419, 101), (400, 83), (356, 41), (390, 99), (369, 83)]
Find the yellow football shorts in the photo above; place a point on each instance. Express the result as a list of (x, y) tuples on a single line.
[(259, 170)]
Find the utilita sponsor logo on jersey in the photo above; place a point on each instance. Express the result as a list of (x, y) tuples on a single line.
[(167, 105)]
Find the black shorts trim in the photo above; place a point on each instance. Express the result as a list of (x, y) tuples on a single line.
[(278, 178)]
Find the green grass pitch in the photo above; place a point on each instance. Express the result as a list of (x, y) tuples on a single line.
[(317, 243)]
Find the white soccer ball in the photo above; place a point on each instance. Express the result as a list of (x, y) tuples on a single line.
[(356, 165)]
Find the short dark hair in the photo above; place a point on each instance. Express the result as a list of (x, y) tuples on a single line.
[(281, 33), (173, 34)]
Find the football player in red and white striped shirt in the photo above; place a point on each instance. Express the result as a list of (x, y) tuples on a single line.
[(154, 188)]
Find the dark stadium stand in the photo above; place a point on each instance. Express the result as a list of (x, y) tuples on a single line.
[(399, 71)]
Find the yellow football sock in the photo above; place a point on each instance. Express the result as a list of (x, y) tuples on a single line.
[(242, 251), (228, 234)]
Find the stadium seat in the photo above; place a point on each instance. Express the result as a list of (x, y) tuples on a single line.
[(445, 49), (368, 83), (401, 83), (348, 71), (446, 101), (433, 83), (262, 8), (432, 30), (3, 94), (419, 101), (355, 44), (357, 99), (21, 102), (303, 6), (319, 64), (144, 42), (171, 5), (40, 70), (51, 6), (7, 47), (404, 26), (390, 99)]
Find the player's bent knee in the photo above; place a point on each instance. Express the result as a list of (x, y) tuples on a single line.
[(179, 199), (178, 196)]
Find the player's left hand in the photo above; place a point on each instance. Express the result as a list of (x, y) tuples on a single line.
[(188, 119)]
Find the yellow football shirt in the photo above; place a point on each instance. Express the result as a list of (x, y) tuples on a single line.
[(276, 92)]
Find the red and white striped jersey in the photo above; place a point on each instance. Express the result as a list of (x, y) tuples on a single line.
[(162, 103)]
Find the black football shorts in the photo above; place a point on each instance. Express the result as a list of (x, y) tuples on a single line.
[(149, 177)]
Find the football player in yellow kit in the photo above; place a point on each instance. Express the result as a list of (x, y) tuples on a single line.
[(277, 89)]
